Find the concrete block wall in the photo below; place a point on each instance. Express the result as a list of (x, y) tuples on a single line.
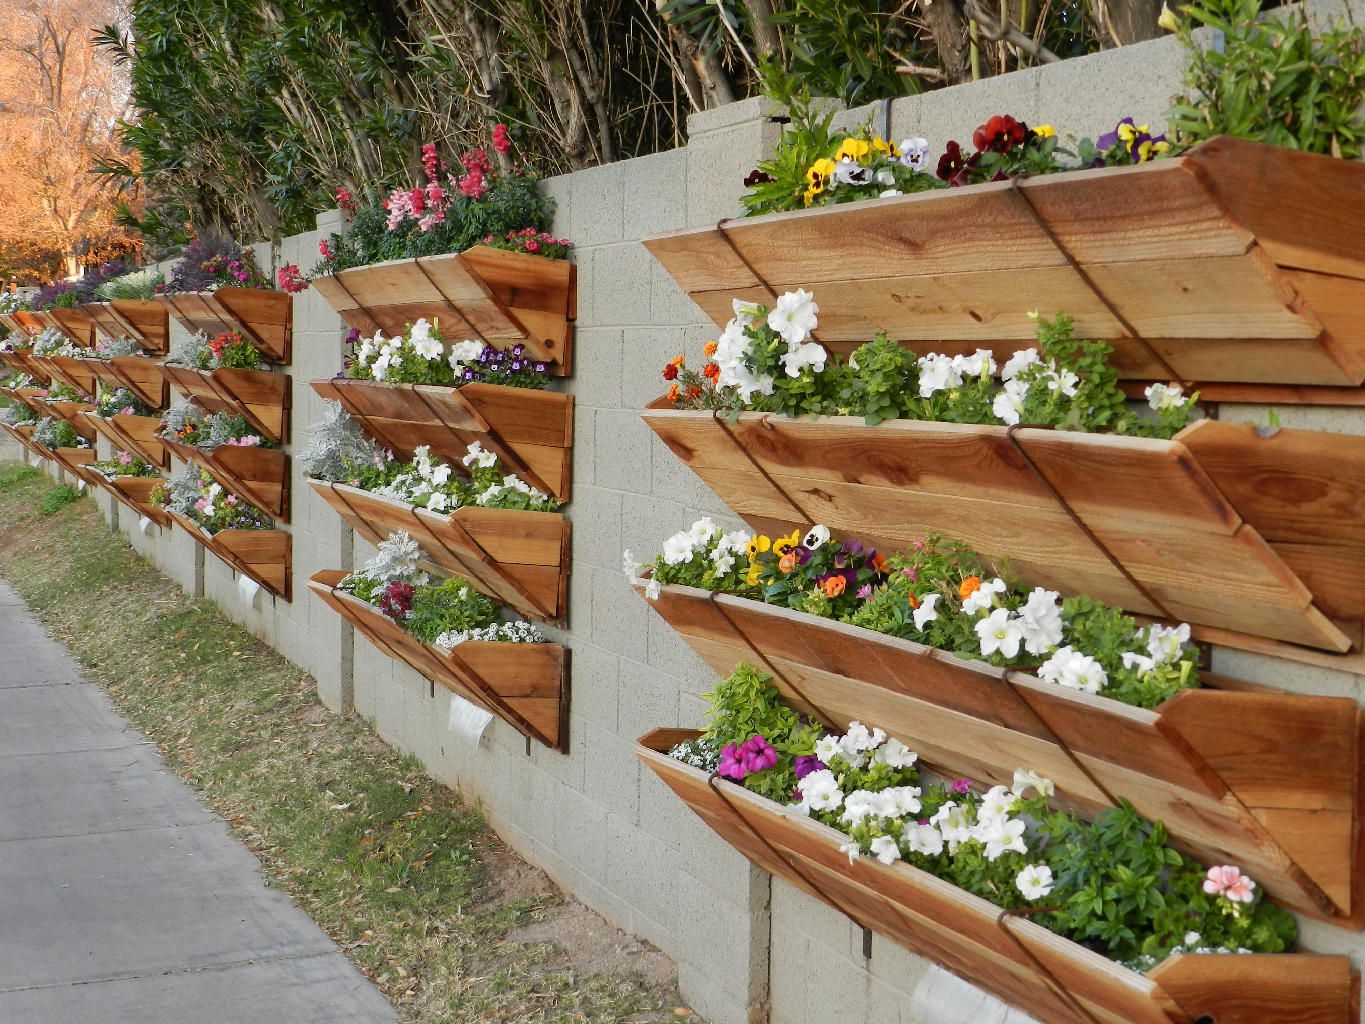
[(602, 826)]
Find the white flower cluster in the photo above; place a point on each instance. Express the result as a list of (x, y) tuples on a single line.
[(53, 342), (653, 588), (518, 632), (420, 482), (895, 811), (938, 372), (793, 317), (378, 354), (1069, 667), (496, 494), (705, 538)]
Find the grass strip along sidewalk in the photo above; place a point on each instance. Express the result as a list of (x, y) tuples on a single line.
[(408, 880)]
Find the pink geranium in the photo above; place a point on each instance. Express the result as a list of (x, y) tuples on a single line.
[(1229, 882)]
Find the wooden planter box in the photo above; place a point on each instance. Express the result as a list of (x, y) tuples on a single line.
[(265, 556), (530, 431), (520, 558), (76, 323), (26, 362), (526, 685), (1238, 774), (261, 475), (1243, 536), (1017, 960), (75, 461), (1237, 272), (504, 298), (11, 323), (262, 316), (138, 374), (261, 396), (146, 321), (135, 493), (33, 398), (31, 323), (138, 435), (70, 371), (73, 413)]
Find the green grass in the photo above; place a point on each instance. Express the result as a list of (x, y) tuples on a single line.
[(389, 862)]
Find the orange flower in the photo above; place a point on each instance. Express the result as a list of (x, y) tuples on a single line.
[(709, 349), (693, 392), (833, 586), (711, 371), (913, 601), (878, 563), (969, 587), (787, 562), (673, 394), (679, 361)]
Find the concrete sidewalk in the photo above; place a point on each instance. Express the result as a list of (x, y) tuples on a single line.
[(122, 899)]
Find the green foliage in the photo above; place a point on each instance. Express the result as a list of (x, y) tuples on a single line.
[(746, 704), (14, 474), (54, 433), (57, 499), (451, 606), (883, 371), (847, 49), (1273, 80)]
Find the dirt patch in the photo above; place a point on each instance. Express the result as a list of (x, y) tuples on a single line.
[(594, 946)]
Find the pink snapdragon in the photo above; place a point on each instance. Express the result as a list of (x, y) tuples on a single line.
[(1229, 882), (344, 199), (502, 141), (290, 279)]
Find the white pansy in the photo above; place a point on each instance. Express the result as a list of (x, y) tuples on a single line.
[(923, 839), (1041, 621), (794, 316), (798, 357), (1166, 643), (979, 363), (895, 754), (816, 537), (850, 172), (1001, 835), (983, 597), (885, 849), (886, 177), (1000, 632), (926, 612), (937, 372), (1163, 396), (1026, 780), (1019, 362), (914, 153), (1034, 882), (678, 549), (1069, 667)]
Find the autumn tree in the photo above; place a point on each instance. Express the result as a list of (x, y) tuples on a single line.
[(60, 100)]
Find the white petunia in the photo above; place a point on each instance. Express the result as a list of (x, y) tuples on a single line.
[(678, 549), (1008, 404), (1041, 621), (885, 849), (925, 613), (798, 357), (820, 791), (1163, 396), (465, 352), (1139, 663), (438, 502), (439, 475), (923, 839), (1026, 780), (1034, 882), (827, 748), (629, 566), (852, 850), (858, 738), (1069, 667), (1019, 362), (1064, 381), (1166, 643), (427, 347), (703, 529), (983, 597), (999, 632), (954, 824), (745, 312), (478, 455), (979, 363), (996, 802), (794, 316), (895, 754), (653, 588), (937, 372), (1001, 835), (899, 801), (859, 805)]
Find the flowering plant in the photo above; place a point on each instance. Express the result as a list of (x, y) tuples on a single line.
[(52, 342), (227, 350), (452, 210), (17, 414), (52, 433), (766, 360), (532, 242), (1114, 884), (208, 264), (196, 496), (15, 380), (189, 424), (239, 271), (120, 402), (290, 279), (124, 464), (938, 593), (519, 631), (422, 356), (116, 348), (60, 391)]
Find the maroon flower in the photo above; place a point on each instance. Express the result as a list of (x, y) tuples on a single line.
[(395, 600), (757, 177), (1000, 134)]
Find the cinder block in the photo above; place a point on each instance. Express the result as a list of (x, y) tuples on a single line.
[(580, 832), (646, 522), (655, 193), (648, 350), (1086, 97), (649, 698), (954, 113), (620, 285), (618, 616), (598, 365), (584, 451), (622, 450), (674, 482), (717, 163), (611, 772), (558, 190), (597, 535), (669, 304), (755, 109), (595, 205), (595, 695)]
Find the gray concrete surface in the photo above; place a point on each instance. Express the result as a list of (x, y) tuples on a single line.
[(122, 898)]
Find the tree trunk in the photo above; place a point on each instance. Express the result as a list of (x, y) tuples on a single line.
[(948, 26), (1130, 21)]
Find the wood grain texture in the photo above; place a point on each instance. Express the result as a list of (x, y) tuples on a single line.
[(77, 324), (135, 492), (500, 297), (1018, 961), (1128, 521), (526, 685), (261, 475), (1231, 283), (265, 556), (530, 431), (1217, 767), (262, 316), (261, 396), (520, 558)]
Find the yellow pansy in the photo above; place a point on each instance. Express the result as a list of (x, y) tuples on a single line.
[(1045, 131), (883, 147), (758, 545), (784, 545), (808, 196), (853, 149), (751, 578), (1148, 150), (819, 173), (1129, 132)]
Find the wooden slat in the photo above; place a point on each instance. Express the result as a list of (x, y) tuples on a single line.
[(135, 492), (261, 475), (265, 556), (142, 377), (1302, 988), (1204, 763), (77, 324), (147, 321), (261, 396)]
